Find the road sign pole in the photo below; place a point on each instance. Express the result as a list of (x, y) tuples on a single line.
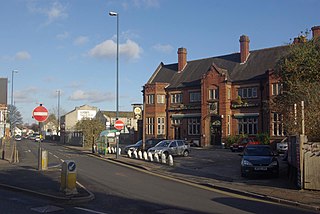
[(39, 150)]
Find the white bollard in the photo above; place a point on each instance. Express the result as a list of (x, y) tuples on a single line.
[(163, 158), (170, 160), (135, 154), (119, 151), (112, 150), (109, 150), (150, 156), (140, 154), (129, 153), (145, 156), (156, 157)]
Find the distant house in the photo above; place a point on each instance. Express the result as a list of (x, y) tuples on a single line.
[(206, 100), (70, 119), (109, 117)]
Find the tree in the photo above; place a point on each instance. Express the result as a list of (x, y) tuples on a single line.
[(299, 72), (14, 116), (91, 129)]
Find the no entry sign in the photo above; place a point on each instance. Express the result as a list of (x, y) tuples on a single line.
[(40, 113), (118, 125)]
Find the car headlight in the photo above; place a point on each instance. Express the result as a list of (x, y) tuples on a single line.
[(274, 163), (245, 163)]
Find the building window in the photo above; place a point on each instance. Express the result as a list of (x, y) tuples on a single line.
[(176, 98), (276, 88), (161, 98), (213, 108), (194, 126), (195, 97), (160, 126), (248, 92), (150, 99), (277, 124), (175, 121), (248, 125), (213, 94), (229, 94), (150, 125), (229, 125)]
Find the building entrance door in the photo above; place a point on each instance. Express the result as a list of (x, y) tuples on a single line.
[(177, 132), (215, 131)]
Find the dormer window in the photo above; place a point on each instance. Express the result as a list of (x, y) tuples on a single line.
[(195, 97), (176, 98), (248, 92)]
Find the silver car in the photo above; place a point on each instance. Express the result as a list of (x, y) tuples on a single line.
[(171, 147)]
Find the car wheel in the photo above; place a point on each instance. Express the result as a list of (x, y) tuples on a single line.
[(166, 154), (186, 153)]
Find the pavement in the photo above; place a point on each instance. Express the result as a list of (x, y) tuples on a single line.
[(210, 167)]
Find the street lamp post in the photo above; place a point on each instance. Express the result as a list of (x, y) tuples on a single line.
[(117, 78), (58, 91), (12, 75)]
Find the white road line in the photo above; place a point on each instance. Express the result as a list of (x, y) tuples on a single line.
[(91, 211), (56, 156)]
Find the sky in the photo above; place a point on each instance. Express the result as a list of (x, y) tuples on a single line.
[(70, 45)]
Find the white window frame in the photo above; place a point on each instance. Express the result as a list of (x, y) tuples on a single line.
[(150, 125), (277, 124), (150, 99), (161, 125), (161, 98), (176, 98), (193, 126), (213, 94), (195, 96), (229, 124), (276, 88), (249, 92), (248, 125)]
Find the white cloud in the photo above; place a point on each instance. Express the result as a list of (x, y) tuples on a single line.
[(146, 3), (63, 35), (81, 40), (163, 48), (55, 12), (26, 96), (107, 49), (22, 55), (91, 96)]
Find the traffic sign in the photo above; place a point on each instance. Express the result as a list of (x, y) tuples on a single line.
[(118, 125), (40, 113)]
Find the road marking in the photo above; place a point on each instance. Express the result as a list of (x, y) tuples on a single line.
[(88, 210), (190, 183)]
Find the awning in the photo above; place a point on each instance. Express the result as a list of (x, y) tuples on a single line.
[(179, 116), (244, 115)]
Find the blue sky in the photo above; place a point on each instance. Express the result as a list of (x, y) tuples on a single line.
[(70, 45)]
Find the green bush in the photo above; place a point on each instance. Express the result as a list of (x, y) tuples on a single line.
[(264, 138)]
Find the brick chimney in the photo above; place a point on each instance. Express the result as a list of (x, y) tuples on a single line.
[(182, 59), (244, 48), (315, 32)]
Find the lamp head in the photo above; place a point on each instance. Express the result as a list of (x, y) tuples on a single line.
[(111, 13)]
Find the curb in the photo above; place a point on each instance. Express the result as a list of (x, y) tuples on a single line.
[(70, 199)]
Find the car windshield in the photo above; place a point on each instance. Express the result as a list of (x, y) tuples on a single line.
[(258, 151), (139, 143), (163, 143)]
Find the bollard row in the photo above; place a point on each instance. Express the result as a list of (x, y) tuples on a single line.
[(113, 150), (148, 156)]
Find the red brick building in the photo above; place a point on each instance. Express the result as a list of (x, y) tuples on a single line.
[(206, 100)]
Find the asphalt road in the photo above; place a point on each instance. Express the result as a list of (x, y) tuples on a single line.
[(122, 189)]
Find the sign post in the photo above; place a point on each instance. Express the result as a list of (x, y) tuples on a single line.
[(119, 125), (40, 114)]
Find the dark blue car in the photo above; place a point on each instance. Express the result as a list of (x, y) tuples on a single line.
[(259, 159)]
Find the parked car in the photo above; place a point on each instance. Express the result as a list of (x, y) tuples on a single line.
[(17, 137), (171, 147), (138, 145), (259, 159), (282, 146), (242, 143)]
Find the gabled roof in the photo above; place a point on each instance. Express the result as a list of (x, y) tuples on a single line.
[(259, 61)]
